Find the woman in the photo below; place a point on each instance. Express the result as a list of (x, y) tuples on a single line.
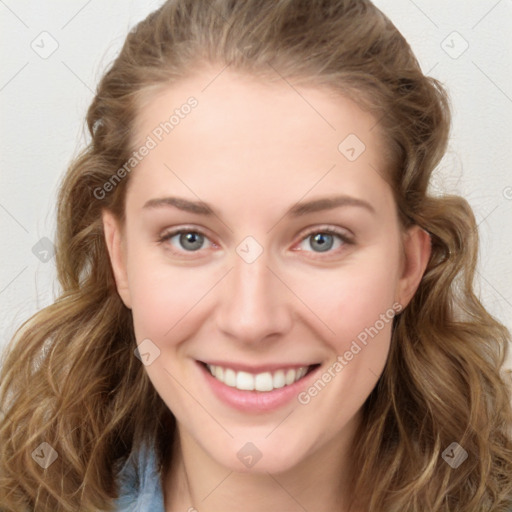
[(262, 307)]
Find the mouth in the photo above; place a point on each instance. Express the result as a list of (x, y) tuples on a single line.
[(257, 390), (264, 381)]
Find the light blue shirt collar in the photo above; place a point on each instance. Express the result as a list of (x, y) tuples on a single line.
[(139, 481)]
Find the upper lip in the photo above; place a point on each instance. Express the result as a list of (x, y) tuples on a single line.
[(261, 368)]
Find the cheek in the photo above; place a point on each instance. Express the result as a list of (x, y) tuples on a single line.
[(357, 306), (355, 298), (163, 294), (347, 300), (162, 302)]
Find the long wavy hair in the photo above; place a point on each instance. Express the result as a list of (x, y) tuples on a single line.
[(69, 377)]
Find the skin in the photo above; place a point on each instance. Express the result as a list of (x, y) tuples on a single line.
[(252, 150)]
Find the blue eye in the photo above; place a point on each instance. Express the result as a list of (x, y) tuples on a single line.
[(324, 240), (320, 240), (188, 240)]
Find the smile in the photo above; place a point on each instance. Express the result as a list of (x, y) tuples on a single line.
[(257, 389), (264, 381)]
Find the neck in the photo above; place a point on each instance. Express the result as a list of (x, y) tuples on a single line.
[(195, 482)]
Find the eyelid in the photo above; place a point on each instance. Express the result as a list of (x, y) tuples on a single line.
[(170, 232), (345, 235), (167, 234), (347, 238)]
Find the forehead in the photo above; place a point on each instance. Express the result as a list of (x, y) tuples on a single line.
[(226, 97), (258, 134)]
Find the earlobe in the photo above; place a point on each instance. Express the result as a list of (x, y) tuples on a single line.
[(417, 250), (113, 240)]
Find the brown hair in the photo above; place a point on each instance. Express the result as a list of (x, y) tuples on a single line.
[(69, 377)]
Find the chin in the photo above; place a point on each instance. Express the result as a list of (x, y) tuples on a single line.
[(260, 456)]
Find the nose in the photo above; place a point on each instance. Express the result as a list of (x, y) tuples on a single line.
[(254, 302)]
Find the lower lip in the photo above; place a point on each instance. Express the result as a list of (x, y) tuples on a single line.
[(256, 401)]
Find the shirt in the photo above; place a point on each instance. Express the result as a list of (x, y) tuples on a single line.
[(139, 481)]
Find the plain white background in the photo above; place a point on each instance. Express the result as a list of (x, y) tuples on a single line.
[(54, 53)]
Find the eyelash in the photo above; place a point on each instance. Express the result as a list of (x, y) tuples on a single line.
[(324, 230)]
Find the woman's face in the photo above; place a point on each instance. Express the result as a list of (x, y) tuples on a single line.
[(297, 264)]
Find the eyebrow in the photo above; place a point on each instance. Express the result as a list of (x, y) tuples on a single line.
[(316, 205)]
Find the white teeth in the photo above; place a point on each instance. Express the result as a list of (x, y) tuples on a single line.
[(229, 377), (263, 382), (219, 372), (266, 381), (290, 377), (244, 381), (279, 379)]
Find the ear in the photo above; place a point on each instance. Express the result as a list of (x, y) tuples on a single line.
[(416, 254), (117, 253)]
